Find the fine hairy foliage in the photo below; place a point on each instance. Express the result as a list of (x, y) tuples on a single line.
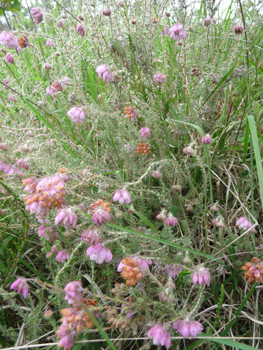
[(131, 189)]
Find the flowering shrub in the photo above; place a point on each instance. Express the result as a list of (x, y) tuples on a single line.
[(130, 187)]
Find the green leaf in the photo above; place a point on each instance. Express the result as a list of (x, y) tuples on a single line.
[(43, 120), (253, 131), (114, 146), (145, 220), (234, 344), (33, 270), (186, 123)]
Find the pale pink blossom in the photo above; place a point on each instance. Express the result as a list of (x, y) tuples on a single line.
[(202, 277), (80, 30), (207, 139), (12, 98), (68, 337), (104, 72), (47, 232), (60, 23), (218, 222), (173, 270), (21, 286), (73, 291), (23, 163), (4, 147), (100, 212), (160, 336), (9, 58), (189, 151), (188, 328), (50, 43), (76, 114), (37, 15), (123, 196), (91, 236), (171, 220), (10, 169), (8, 40), (159, 78), (99, 253), (62, 256), (157, 174), (145, 132), (177, 32), (243, 223), (106, 12), (7, 82), (66, 217)]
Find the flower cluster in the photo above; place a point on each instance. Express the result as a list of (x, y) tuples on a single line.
[(37, 15), (47, 232), (80, 30), (202, 277), (129, 112), (21, 286), (100, 212), (99, 253), (160, 336), (10, 169), (66, 217), (132, 269), (104, 72), (206, 139), (170, 220), (159, 78), (238, 29), (143, 148), (76, 114), (62, 256), (8, 40), (145, 132), (9, 58), (176, 32), (173, 270), (91, 236), (74, 291), (254, 270), (123, 196), (58, 85), (157, 174), (188, 328), (45, 194), (23, 163), (245, 224)]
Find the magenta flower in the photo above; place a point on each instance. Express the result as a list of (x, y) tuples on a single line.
[(189, 151), (99, 253), (171, 220), (66, 217), (106, 12), (104, 72), (47, 232), (62, 256), (157, 174), (50, 43), (123, 196), (21, 286), (159, 78), (23, 163), (243, 223), (10, 170), (207, 139), (202, 277), (100, 212), (145, 132), (8, 40), (177, 32), (238, 29), (12, 98), (9, 58), (74, 290), (80, 30), (160, 336), (91, 236), (188, 327), (68, 337), (37, 15), (76, 114), (51, 90), (4, 147), (173, 270)]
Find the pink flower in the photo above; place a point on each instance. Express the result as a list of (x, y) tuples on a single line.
[(188, 327), (243, 223), (162, 215), (145, 132), (159, 78), (10, 170), (121, 3), (99, 253), (218, 222), (6, 81), (68, 337), (37, 15), (51, 90), (173, 270), (76, 114), (47, 232), (100, 212), (106, 12), (8, 40), (9, 58), (177, 32), (202, 277), (74, 290), (12, 98), (160, 336), (80, 30), (207, 22), (4, 147), (60, 23), (123, 196), (21, 286), (207, 139), (157, 174), (62, 256), (142, 264), (213, 208), (66, 217), (238, 29), (171, 220), (189, 151), (104, 72), (50, 43), (91, 236), (23, 163)]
